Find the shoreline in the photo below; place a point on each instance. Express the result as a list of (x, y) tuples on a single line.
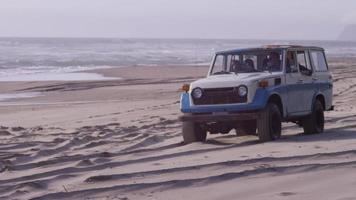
[(115, 76), (85, 75)]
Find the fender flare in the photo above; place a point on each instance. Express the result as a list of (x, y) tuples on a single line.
[(314, 99), (281, 92)]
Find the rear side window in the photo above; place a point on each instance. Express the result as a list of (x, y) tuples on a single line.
[(303, 61), (319, 61)]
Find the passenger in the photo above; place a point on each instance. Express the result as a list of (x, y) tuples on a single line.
[(290, 65), (264, 63), (249, 65), (273, 63)]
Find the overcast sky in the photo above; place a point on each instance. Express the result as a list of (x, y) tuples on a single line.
[(253, 19)]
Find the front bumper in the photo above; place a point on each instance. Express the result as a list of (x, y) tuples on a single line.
[(216, 117)]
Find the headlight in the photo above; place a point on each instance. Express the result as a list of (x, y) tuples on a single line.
[(242, 91), (197, 93)]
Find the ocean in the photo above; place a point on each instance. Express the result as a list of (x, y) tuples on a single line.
[(55, 58)]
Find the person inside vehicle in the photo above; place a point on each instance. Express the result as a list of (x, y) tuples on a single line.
[(250, 66), (235, 66), (273, 63), (290, 65)]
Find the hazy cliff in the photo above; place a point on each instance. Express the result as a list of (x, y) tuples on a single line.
[(349, 33)]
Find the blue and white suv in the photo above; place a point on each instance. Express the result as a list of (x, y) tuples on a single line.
[(254, 90)]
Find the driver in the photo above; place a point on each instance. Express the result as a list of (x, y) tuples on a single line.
[(235, 66), (250, 64)]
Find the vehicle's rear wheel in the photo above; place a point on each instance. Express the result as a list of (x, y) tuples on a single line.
[(314, 123), (193, 132), (246, 128), (269, 124)]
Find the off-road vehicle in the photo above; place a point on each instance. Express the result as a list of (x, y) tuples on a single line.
[(254, 90)]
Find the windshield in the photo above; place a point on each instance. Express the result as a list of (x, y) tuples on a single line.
[(247, 62)]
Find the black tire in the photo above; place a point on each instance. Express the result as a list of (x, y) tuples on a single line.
[(247, 128), (314, 123), (192, 132), (269, 124)]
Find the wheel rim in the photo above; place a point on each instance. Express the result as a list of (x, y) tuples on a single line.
[(276, 126)]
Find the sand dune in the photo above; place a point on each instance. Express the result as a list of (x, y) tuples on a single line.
[(120, 139)]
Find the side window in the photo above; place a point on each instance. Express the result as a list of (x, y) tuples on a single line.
[(250, 61), (303, 63), (231, 61), (291, 66), (319, 61)]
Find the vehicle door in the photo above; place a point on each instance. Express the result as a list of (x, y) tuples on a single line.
[(294, 83), (321, 76), (309, 87)]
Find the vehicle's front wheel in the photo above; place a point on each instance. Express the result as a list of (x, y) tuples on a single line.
[(269, 124), (193, 132), (314, 123)]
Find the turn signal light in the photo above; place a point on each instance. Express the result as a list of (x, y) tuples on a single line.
[(185, 87), (263, 84)]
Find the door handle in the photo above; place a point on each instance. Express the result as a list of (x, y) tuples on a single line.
[(300, 81), (315, 79)]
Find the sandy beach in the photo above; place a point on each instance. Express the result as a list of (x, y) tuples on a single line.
[(120, 139)]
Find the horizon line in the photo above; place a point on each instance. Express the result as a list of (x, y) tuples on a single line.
[(163, 38)]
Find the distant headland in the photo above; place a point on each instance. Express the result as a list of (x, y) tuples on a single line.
[(349, 33)]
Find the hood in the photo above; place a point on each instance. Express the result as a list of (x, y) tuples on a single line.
[(232, 80)]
